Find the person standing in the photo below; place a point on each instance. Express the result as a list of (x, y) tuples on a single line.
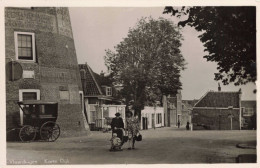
[(117, 125), (133, 127), (179, 123), (188, 125)]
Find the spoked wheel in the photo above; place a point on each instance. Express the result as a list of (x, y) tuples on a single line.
[(50, 131), (27, 133)]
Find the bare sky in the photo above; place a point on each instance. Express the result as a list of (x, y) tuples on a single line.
[(96, 29)]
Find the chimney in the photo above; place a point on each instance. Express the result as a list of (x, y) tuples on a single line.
[(102, 74), (219, 88), (240, 91)]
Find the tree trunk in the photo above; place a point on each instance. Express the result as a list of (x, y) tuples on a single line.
[(138, 113)]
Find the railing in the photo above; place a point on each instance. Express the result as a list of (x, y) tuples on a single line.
[(105, 113), (100, 123)]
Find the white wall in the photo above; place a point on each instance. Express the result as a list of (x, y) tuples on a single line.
[(149, 112)]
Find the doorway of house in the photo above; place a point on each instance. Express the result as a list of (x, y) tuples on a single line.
[(145, 124), (153, 122)]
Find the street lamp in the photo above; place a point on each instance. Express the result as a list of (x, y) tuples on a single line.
[(230, 116), (219, 120)]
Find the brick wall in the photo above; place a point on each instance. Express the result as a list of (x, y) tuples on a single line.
[(56, 64), (215, 119)]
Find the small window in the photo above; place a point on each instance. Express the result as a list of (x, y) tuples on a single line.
[(29, 95), (248, 112), (41, 109), (25, 46), (109, 91)]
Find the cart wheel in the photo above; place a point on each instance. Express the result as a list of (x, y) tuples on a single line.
[(27, 133), (50, 131)]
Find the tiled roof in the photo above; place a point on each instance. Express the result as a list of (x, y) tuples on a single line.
[(91, 87), (188, 104), (219, 99), (103, 80), (248, 103)]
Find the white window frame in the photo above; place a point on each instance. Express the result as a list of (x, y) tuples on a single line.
[(107, 88), (21, 91), (246, 112), (16, 46)]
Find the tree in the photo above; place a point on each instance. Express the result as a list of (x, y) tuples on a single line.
[(145, 62), (229, 37)]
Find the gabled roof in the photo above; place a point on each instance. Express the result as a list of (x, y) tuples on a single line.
[(219, 99), (188, 104), (91, 87)]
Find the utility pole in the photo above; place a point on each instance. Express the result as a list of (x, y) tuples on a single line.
[(231, 124)]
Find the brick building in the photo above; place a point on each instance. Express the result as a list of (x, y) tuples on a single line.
[(218, 111), (41, 40)]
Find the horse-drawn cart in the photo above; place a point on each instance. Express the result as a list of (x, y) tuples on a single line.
[(39, 120)]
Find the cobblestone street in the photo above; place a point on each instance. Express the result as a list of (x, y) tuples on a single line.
[(159, 146)]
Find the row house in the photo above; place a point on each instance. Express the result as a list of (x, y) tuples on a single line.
[(152, 117)]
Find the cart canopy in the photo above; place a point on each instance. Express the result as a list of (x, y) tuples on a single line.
[(35, 102)]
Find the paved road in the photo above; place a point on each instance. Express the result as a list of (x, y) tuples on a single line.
[(163, 145)]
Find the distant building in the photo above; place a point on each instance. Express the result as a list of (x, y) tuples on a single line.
[(152, 117), (41, 41), (218, 111), (248, 108), (172, 109), (186, 111)]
